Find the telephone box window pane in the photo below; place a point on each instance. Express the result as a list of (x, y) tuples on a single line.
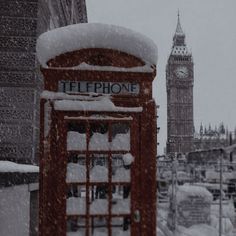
[(99, 142), (99, 199), (76, 169), (99, 170), (99, 137), (120, 226), (120, 206), (76, 200), (120, 172), (98, 226), (76, 226), (121, 200), (76, 141), (120, 136)]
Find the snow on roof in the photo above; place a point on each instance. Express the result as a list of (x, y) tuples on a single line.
[(185, 191), (94, 35), (8, 166), (104, 104)]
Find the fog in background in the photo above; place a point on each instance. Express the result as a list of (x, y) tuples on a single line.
[(210, 28)]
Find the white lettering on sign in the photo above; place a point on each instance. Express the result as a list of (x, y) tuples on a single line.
[(98, 87)]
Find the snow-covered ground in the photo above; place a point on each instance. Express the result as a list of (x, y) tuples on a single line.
[(228, 222), (15, 207), (14, 211)]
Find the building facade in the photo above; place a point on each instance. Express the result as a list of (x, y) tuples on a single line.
[(179, 85), (54, 14), (20, 84)]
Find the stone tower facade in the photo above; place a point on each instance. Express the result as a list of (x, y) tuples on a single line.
[(58, 13), (20, 84), (179, 85)]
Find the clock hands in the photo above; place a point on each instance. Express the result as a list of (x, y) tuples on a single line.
[(184, 73)]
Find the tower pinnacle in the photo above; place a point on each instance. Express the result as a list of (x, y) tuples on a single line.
[(179, 30), (179, 47)]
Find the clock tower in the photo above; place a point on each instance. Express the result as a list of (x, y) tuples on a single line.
[(179, 85)]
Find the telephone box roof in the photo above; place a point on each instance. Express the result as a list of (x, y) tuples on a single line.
[(94, 35)]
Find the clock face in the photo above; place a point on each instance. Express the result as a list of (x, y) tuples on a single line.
[(181, 72)]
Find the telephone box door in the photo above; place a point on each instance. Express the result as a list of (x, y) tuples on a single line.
[(102, 173)]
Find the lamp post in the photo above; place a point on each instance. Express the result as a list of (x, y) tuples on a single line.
[(221, 189), (173, 202)]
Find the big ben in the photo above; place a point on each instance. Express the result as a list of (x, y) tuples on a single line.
[(179, 85)]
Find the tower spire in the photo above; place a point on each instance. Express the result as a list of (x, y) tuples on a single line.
[(179, 30)]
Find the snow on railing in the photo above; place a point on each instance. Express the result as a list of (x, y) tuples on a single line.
[(121, 175), (99, 142), (99, 206), (121, 142), (75, 173), (75, 206), (121, 206), (99, 174), (76, 141)]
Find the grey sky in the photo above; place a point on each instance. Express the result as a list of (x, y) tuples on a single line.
[(210, 28)]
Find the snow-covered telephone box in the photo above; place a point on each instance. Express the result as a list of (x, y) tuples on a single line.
[(98, 132)]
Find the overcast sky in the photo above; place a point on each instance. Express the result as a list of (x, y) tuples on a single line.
[(210, 28)]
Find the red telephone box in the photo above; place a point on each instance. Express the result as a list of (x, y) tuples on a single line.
[(98, 133)]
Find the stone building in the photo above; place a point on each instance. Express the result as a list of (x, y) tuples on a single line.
[(20, 23), (179, 85)]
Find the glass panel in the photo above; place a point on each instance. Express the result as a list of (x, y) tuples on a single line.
[(98, 226), (76, 141), (120, 136), (121, 200), (99, 137), (76, 169), (99, 199), (76, 226), (120, 226), (120, 172), (99, 170), (76, 200), (76, 136)]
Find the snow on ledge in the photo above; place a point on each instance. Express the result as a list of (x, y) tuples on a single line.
[(147, 68), (94, 35), (8, 166), (49, 95), (104, 104)]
